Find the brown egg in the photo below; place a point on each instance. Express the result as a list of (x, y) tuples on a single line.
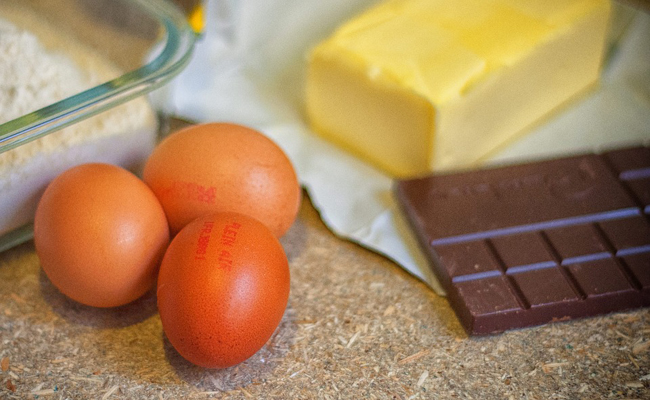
[(222, 289), (100, 234), (219, 167)]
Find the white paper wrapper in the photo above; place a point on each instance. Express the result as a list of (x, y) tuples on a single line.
[(249, 68)]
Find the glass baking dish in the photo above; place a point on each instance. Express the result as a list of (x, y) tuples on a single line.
[(146, 43)]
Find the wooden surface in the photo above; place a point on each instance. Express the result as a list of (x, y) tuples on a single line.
[(357, 326)]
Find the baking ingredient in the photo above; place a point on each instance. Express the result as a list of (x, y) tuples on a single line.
[(34, 75), (419, 85), (222, 289), (533, 243), (100, 234), (215, 167)]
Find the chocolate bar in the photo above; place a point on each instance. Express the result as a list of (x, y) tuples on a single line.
[(529, 244)]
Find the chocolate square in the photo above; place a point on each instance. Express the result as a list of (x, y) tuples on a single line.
[(464, 260), (578, 242), (544, 286), (639, 266), (628, 235), (600, 277), (522, 251)]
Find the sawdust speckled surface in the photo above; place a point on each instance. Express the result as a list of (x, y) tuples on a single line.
[(357, 326)]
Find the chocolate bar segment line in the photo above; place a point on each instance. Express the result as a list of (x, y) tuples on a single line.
[(635, 174), (579, 220), (585, 258)]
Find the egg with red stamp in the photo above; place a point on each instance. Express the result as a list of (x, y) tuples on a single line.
[(100, 234), (222, 289), (219, 167)]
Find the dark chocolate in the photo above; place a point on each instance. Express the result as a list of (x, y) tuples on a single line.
[(528, 244)]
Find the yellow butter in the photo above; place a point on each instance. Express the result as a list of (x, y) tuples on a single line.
[(419, 85)]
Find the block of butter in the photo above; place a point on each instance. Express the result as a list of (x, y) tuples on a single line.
[(418, 85)]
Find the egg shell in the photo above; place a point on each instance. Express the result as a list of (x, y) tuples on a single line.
[(100, 234), (218, 167), (222, 289)]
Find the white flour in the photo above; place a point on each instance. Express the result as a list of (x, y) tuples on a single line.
[(31, 77)]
